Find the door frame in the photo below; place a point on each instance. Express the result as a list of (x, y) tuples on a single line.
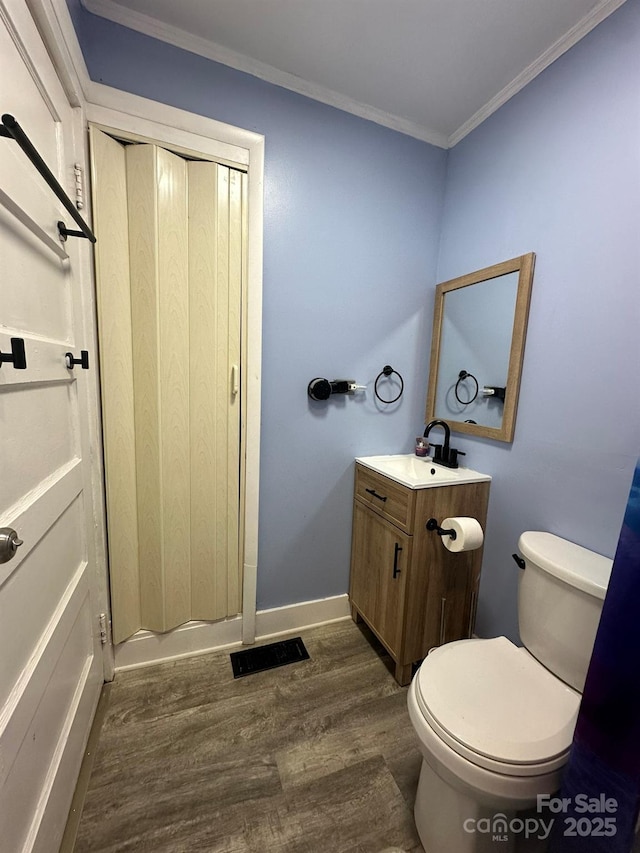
[(127, 113)]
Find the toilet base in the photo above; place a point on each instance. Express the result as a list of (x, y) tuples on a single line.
[(442, 813), (448, 820)]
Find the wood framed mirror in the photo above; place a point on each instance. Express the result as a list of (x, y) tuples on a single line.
[(477, 348)]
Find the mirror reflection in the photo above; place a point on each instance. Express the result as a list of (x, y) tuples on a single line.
[(477, 348)]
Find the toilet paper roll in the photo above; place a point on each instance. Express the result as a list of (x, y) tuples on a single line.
[(469, 535)]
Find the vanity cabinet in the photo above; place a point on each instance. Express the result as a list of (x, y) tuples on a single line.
[(410, 590)]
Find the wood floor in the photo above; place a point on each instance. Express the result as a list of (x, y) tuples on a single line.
[(313, 757)]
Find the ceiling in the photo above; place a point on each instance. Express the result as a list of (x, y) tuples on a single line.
[(433, 69)]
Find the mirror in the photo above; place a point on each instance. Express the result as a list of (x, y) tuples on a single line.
[(479, 328)]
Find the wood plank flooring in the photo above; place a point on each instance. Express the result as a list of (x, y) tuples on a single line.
[(313, 757)]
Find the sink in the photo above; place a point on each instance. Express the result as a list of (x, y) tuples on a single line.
[(419, 472)]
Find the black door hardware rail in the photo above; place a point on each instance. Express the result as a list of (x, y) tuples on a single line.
[(12, 130)]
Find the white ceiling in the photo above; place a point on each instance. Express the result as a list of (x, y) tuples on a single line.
[(431, 68)]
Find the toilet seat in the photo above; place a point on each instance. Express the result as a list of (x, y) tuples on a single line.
[(496, 706)]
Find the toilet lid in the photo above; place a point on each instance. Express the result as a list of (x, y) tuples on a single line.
[(492, 699)]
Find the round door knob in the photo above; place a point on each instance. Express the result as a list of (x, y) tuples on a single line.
[(9, 543)]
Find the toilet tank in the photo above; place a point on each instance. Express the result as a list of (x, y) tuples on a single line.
[(560, 597)]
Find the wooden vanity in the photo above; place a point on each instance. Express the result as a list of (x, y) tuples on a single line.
[(409, 589)]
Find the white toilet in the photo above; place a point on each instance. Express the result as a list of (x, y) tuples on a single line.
[(495, 721)]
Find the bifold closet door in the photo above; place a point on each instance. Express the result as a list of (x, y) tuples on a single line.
[(171, 402)]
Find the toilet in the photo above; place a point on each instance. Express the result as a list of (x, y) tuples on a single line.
[(494, 720)]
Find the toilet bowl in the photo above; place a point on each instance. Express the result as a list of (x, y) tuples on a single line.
[(495, 729), (494, 720)]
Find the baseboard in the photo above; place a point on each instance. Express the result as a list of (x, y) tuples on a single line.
[(146, 647), (306, 614)]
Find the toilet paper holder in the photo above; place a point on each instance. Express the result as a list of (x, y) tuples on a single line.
[(432, 524)]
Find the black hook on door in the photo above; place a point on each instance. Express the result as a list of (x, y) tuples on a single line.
[(17, 356), (83, 361)]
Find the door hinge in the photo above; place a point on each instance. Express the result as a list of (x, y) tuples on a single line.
[(77, 173), (103, 628)]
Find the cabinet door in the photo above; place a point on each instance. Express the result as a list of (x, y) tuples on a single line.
[(441, 599), (381, 556)]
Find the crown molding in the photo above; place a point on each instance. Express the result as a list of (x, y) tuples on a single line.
[(149, 26), (573, 36)]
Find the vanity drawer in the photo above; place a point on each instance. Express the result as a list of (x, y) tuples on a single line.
[(390, 499)]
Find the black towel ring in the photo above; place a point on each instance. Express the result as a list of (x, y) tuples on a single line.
[(461, 377), (387, 371)]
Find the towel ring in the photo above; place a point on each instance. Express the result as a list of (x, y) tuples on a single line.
[(461, 377), (387, 371)]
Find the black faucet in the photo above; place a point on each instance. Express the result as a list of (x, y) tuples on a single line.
[(443, 454)]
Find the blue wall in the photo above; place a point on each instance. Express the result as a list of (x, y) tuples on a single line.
[(557, 171), (352, 213), (353, 216)]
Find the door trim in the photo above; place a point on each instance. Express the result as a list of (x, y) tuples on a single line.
[(129, 113)]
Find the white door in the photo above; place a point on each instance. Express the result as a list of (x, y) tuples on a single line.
[(50, 658)]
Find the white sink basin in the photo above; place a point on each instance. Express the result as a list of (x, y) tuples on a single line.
[(418, 472)]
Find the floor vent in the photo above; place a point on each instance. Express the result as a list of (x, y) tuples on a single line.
[(268, 657)]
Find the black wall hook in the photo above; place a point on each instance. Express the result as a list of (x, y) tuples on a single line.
[(17, 356), (432, 524)]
